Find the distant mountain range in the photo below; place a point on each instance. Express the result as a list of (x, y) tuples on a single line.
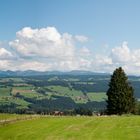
[(35, 73)]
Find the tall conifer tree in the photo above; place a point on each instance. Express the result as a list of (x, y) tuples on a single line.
[(120, 94)]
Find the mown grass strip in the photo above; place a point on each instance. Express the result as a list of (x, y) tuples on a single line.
[(73, 128)]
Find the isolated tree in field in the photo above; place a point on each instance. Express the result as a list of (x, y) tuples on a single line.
[(120, 94)]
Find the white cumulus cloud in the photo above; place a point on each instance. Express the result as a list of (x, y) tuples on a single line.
[(47, 49), (44, 42), (5, 54), (81, 38), (58, 51), (121, 54)]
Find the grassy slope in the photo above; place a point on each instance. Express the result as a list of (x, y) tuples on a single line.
[(7, 100), (65, 91), (93, 96), (4, 92), (5, 116), (73, 128)]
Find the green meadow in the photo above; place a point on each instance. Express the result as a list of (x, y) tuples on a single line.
[(72, 128)]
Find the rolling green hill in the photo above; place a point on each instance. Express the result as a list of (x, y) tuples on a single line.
[(46, 93)]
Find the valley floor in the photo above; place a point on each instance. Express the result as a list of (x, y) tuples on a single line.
[(70, 128)]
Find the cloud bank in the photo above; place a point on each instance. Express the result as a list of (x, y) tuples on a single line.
[(47, 49)]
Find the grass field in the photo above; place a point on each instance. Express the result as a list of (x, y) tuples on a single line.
[(93, 96), (5, 91), (73, 128), (8, 100), (6, 116), (76, 95)]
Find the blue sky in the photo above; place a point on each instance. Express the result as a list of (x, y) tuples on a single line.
[(108, 25), (106, 21)]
